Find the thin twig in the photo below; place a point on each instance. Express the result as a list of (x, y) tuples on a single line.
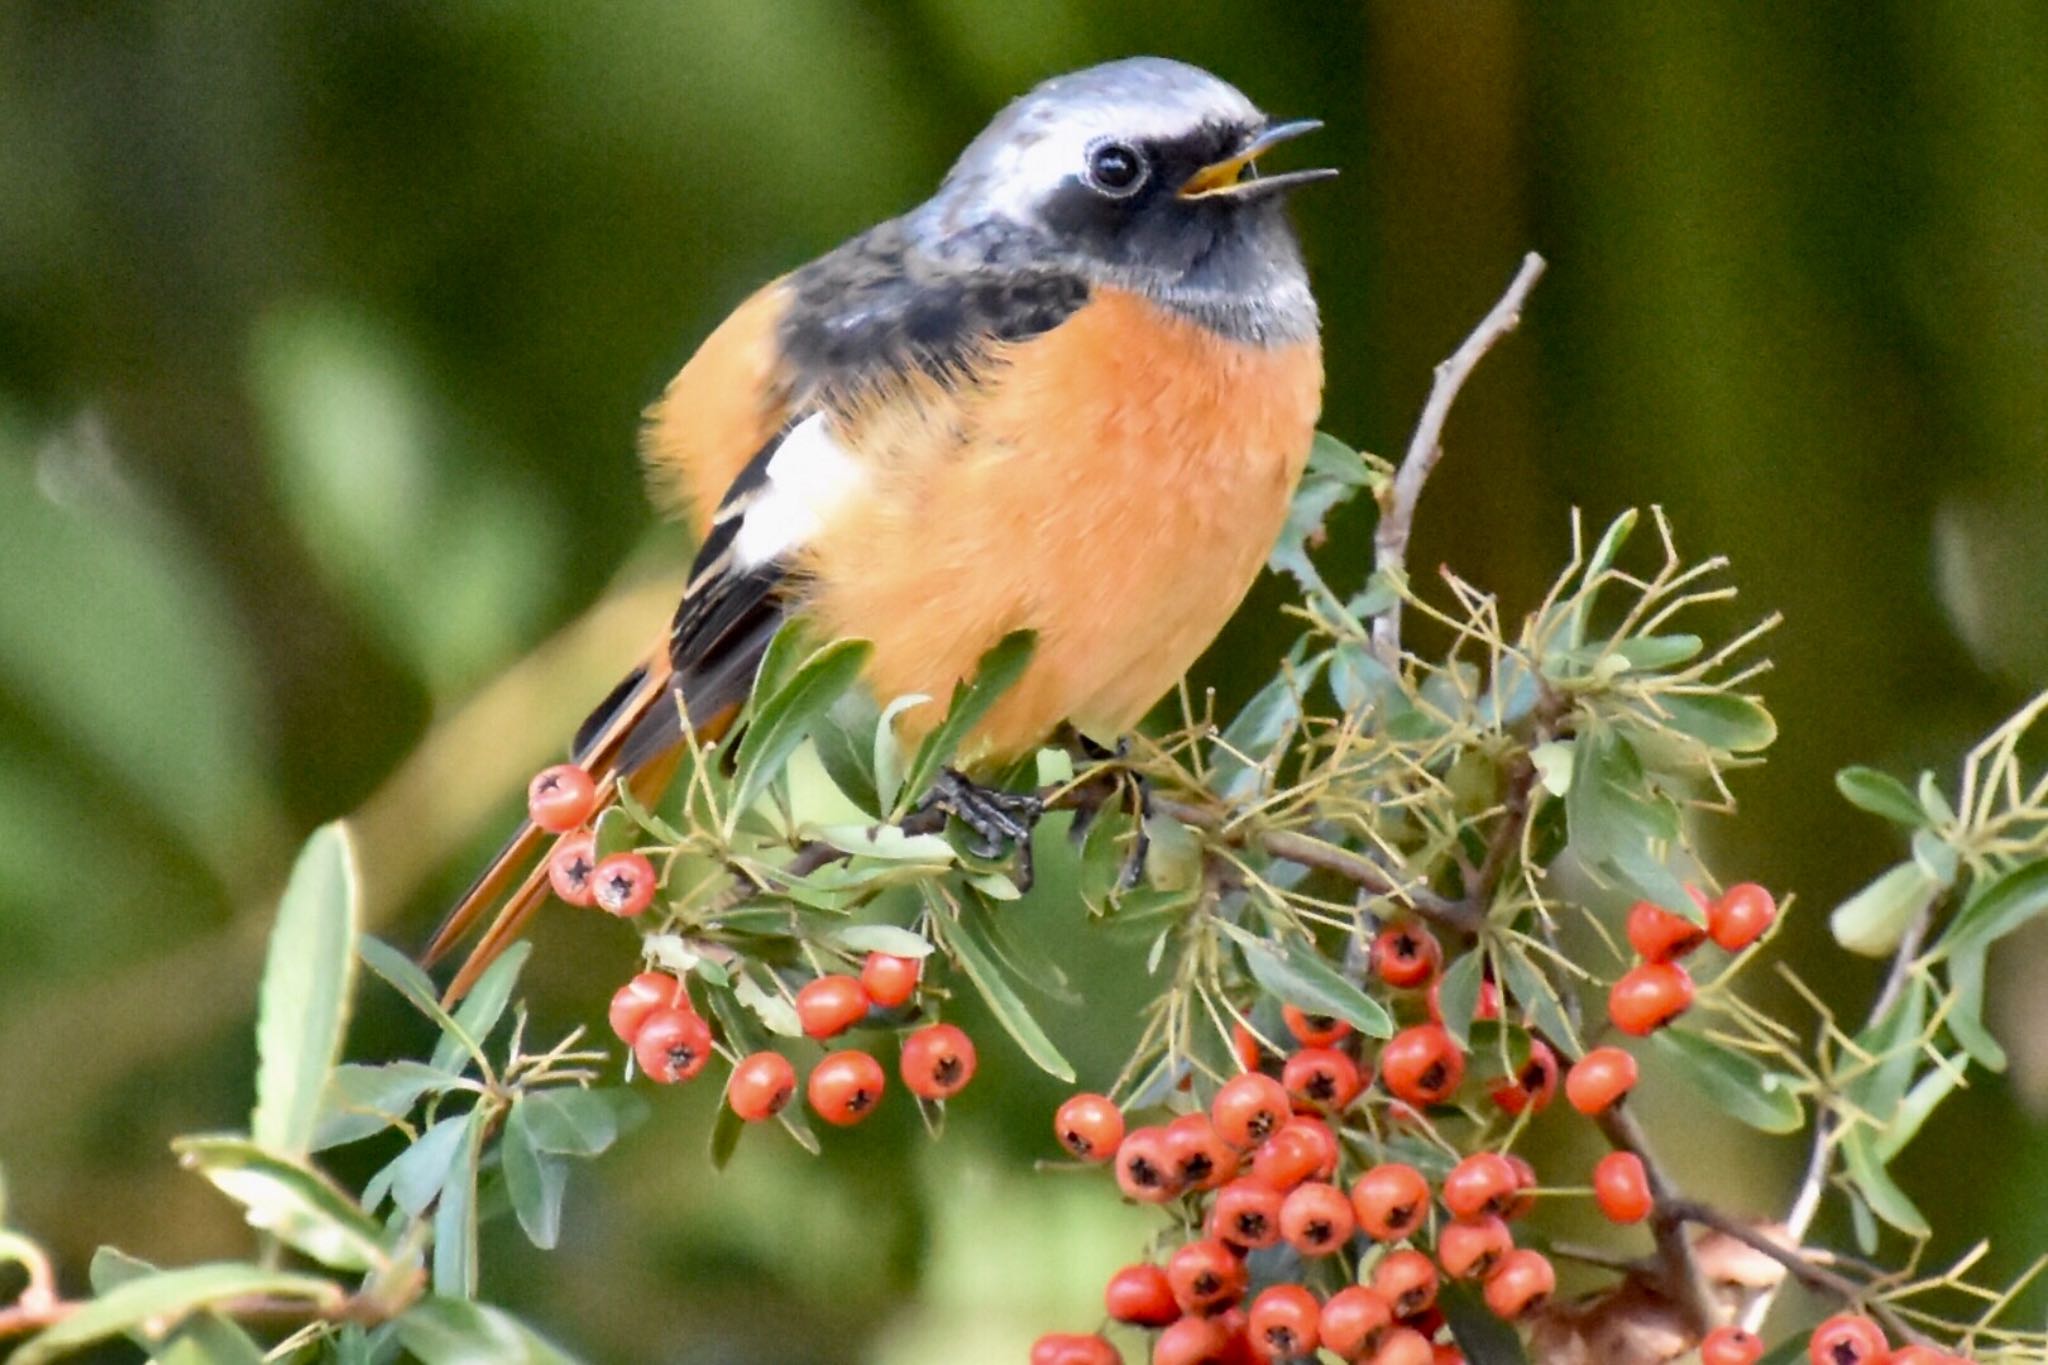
[(1682, 1280), (1801, 1267), (1425, 448)]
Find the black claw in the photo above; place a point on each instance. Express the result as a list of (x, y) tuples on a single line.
[(1003, 820)]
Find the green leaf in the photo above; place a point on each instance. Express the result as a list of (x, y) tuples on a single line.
[(483, 1007), (534, 1180), (403, 975), (616, 832), (362, 1100), (1919, 1104), (1257, 731), (993, 675), (1602, 558), (1881, 794), (1893, 1042), (725, 1135), (1458, 995), (1479, 1332), (1874, 1183), (1965, 1018), (583, 1123), (455, 1221), (845, 741), (1301, 977), (1613, 815), (1740, 725), (204, 1338), (1934, 855), (291, 1201), (1872, 921), (1653, 652), (168, 1296), (881, 938), (1862, 1226), (1996, 910), (658, 829), (1938, 809), (1334, 474), (786, 719), (887, 842), (419, 1172), (1531, 988), (307, 984), (978, 959), (448, 1331), (1733, 1082)]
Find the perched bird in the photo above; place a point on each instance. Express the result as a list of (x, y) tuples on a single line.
[(1071, 392)]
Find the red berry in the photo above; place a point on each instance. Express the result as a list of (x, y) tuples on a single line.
[(1847, 1339), (1314, 1030), (1487, 1006), (1285, 1322), (1317, 1219), (1245, 1045), (1354, 1321), (1391, 1201), (1659, 935), (1522, 1282), (1406, 1279), (1649, 997), (1740, 917), (1404, 1346), (1140, 1295), (571, 867), (890, 981), (1406, 955), (1321, 1137), (1145, 1169), (1249, 1109), (622, 884), (1286, 1159), (1069, 1348), (1622, 1187), (640, 997), (845, 1087), (937, 1062), (1247, 1213), (1201, 1158), (1600, 1078), (830, 1005), (761, 1085), (672, 1045), (1444, 1353), (1732, 1346), (1192, 1341), (1205, 1275), (1533, 1087), (560, 798), (1470, 1251), (1322, 1077), (1422, 1065), (1480, 1186), (1090, 1127)]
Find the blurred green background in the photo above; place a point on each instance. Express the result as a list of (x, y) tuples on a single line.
[(323, 331)]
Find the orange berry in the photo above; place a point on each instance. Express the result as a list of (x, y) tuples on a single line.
[(1286, 1159), (1406, 955), (1200, 1157), (1069, 1348), (1470, 1251), (1533, 1087), (760, 1086), (1205, 1275), (1731, 1345), (1090, 1127), (1249, 1109), (1140, 1295), (845, 1087), (1649, 997), (1403, 1346), (1741, 917), (1390, 1201), (640, 997), (830, 1005), (672, 1045), (1247, 1213), (1622, 1187), (1285, 1322), (1600, 1078), (1145, 1169), (1316, 1219), (1847, 1339), (1660, 935), (890, 981), (937, 1062), (560, 798), (1244, 1045), (622, 884), (1192, 1341), (1322, 1077), (1422, 1065), (571, 864), (1406, 1279), (1522, 1283), (1480, 1186), (1353, 1322), (1314, 1030)]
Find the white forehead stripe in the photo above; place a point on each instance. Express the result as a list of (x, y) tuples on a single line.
[(809, 476)]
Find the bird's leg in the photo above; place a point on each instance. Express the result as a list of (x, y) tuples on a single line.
[(1002, 819)]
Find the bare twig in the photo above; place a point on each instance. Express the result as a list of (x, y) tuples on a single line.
[(1800, 1266), (1425, 448), (1681, 1277)]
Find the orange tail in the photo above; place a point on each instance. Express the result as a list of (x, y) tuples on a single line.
[(598, 750)]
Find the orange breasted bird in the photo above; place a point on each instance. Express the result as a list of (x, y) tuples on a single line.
[(1071, 393)]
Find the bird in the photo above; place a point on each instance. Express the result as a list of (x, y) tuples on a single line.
[(1071, 392)]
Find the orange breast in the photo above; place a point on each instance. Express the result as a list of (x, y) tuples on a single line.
[(1114, 484)]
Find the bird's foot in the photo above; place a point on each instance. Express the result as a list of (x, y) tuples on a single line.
[(1003, 820)]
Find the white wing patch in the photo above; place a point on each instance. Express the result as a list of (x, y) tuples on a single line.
[(809, 475)]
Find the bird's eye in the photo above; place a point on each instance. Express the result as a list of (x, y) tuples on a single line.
[(1115, 168)]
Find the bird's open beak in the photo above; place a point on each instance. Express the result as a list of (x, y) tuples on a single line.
[(1236, 177)]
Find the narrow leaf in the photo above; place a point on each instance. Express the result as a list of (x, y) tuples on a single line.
[(455, 1219), (1881, 794), (993, 676), (422, 1169), (1458, 996), (291, 1201), (786, 718), (1733, 1082), (1965, 1018), (483, 1007), (449, 1331), (534, 1180), (362, 1100), (1531, 988), (1919, 1104), (978, 959), (1301, 977), (573, 1122), (1872, 921), (307, 984), (166, 1297), (1720, 720), (1875, 1184), (1998, 909), (881, 938), (403, 975)]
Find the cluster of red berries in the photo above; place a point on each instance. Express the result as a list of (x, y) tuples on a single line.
[(671, 1042), (1659, 989), (562, 800)]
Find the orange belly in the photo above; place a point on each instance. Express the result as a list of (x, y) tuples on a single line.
[(1114, 485)]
